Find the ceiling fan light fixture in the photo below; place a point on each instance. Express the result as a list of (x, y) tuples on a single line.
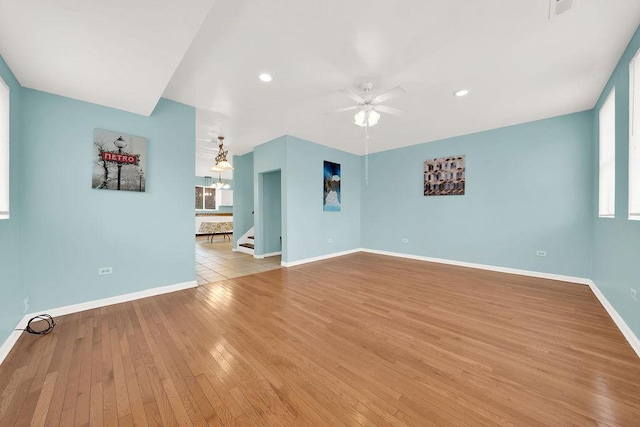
[(373, 118), (366, 118)]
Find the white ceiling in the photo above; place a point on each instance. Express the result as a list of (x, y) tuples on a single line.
[(518, 64), (116, 53)]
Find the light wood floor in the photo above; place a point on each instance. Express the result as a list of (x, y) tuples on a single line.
[(216, 261), (357, 340)]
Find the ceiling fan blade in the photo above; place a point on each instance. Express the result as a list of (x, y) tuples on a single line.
[(392, 93), (353, 96), (340, 110), (389, 110)]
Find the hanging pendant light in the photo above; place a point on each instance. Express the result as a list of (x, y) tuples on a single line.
[(222, 164), (220, 184)]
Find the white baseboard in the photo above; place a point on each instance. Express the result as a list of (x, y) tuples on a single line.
[(8, 344), (633, 340), (244, 250), (75, 308), (267, 255), (560, 277), (319, 258)]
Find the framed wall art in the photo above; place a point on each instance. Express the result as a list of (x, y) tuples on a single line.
[(119, 161), (444, 176), (332, 198)]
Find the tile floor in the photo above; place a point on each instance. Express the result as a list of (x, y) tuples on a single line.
[(215, 261)]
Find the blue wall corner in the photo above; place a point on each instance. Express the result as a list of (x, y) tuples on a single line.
[(307, 229), (616, 241), (12, 284), (71, 230)]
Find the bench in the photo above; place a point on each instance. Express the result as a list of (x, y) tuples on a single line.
[(211, 228)]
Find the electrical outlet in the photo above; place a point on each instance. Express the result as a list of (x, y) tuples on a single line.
[(330, 240), (541, 253), (104, 270), (405, 240), (634, 294), (26, 305)]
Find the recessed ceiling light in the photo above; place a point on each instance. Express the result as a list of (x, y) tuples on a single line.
[(461, 92), (265, 77)]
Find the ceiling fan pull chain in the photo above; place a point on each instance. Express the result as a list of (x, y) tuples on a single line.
[(366, 154)]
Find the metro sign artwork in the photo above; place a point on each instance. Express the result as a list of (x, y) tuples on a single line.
[(128, 159), (119, 161)]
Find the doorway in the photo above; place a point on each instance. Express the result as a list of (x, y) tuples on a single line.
[(270, 214)]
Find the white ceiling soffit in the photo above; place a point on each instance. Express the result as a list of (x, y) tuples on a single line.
[(116, 53), (518, 64)]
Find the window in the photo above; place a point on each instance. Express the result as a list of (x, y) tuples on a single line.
[(205, 197), (4, 150), (634, 137), (607, 182)]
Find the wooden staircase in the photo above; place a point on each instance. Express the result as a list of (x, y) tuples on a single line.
[(246, 243)]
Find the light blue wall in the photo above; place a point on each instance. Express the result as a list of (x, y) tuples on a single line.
[(71, 229), (268, 157), (242, 195), (12, 290), (271, 187), (617, 241), (528, 187), (309, 228)]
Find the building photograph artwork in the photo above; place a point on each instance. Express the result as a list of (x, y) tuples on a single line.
[(119, 161), (444, 176), (332, 198)]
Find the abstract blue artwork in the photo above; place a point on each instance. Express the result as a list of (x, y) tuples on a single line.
[(332, 199)]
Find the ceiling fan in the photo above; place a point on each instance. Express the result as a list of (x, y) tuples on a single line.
[(369, 107)]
